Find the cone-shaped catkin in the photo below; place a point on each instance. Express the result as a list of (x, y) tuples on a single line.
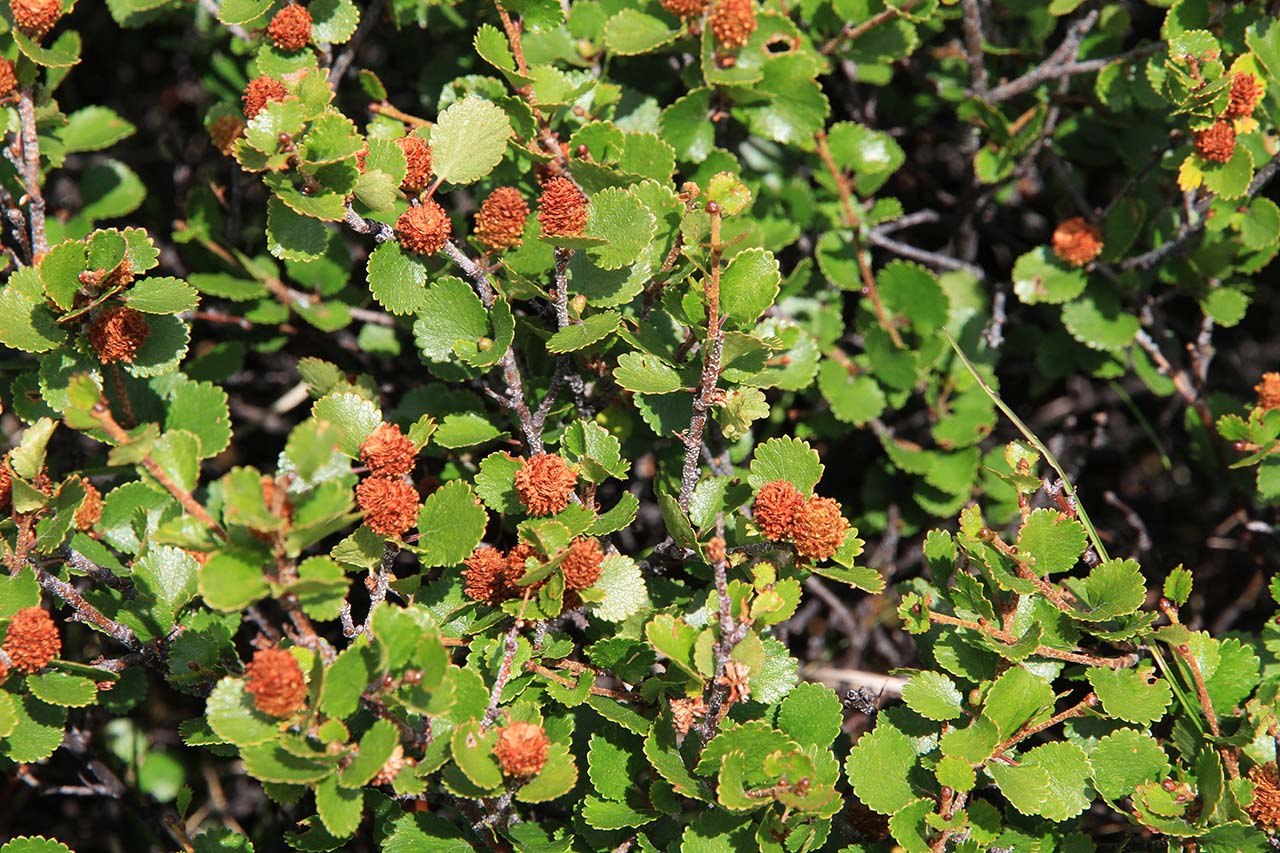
[(225, 130), (260, 92), (485, 575), (562, 209), (36, 17), (8, 79), (424, 229), (500, 220), (732, 22), (417, 159), (32, 639), (388, 452), (1077, 241), (685, 8), (521, 749), (1246, 91), (1216, 143), (90, 511), (117, 333), (776, 505), (290, 29), (581, 566), (1265, 808), (544, 484), (390, 505), (515, 570), (276, 683), (818, 529), (1268, 391)]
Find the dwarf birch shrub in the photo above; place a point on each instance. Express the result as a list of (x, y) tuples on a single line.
[(450, 426)]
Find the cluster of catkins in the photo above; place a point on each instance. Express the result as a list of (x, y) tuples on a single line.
[(1217, 142), (814, 525), (389, 501)]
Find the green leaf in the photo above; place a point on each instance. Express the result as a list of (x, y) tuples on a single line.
[(1017, 699), (1177, 586), (1040, 277), (340, 808), (1099, 321), (29, 324), (556, 778), (578, 336), (269, 762), (451, 524), (618, 217), (878, 767), (353, 415), (468, 140), (333, 21), (63, 689), (1231, 179), (1113, 588), (1069, 771), (232, 580), (34, 844), (933, 696), (450, 313), (472, 749), (854, 398), (110, 189), (749, 285), (622, 584), (1132, 695), (1050, 541), (238, 12), (1125, 759), (162, 296), (632, 32), (292, 236), (92, 129), (645, 373), (376, 746), (345, 681), (200, 408), (397, 279), (1025, 787), (811, 714), (790, 459)]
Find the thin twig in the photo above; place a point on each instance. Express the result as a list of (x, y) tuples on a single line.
[(31, 170)]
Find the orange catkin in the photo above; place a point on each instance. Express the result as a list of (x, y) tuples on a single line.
[(117, 333), (6, 483), (390, 505), (1268, 391), (544, 484), (225, 130), (1217, 142), (500, 220), (36, 17), (8, 78), (424, 229), (1245, 92), (388, 452), (685, 8), (818, 529), (732, 22), (1265, 808), (275, 681), (485, 575), (290, 29), (32, 639), (260, 92), (1077, 241), (516, 558), (562, 209), (90, 511), (521, 749), (581, 566), (776, 505), (417, 158)]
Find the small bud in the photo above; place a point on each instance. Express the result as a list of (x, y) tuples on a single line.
[(484, 344), (578, 304)]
